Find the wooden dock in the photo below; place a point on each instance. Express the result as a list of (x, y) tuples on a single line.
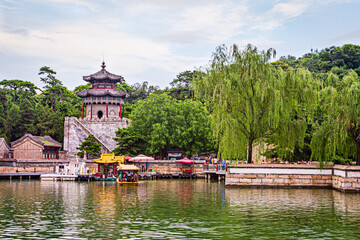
[(20, 176)]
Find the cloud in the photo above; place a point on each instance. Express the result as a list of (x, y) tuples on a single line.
[(80, 46), (348, 36), (13, 30), (216, 21), (140, 37), (290, 9), (183, 37), (80, 3)]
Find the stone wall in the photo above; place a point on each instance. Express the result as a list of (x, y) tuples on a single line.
[(170, 167), (346, 178), (26, 169), (343, 178), (76, 130)]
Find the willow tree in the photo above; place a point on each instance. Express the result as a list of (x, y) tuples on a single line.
[(339, 133), (250, 101)]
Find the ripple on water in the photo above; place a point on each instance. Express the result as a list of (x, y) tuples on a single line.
[(173, 210)]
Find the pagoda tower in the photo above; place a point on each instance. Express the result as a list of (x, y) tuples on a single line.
[(102, 113), (103, 101)]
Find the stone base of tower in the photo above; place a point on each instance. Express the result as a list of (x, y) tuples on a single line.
[(77, 129)]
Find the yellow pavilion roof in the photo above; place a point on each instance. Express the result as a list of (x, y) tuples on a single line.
[(127, 167), (110, 158)]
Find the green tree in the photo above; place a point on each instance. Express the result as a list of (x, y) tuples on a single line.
[(141, 91), (49, 78), (161, 122), (154, 118), (91, 146), (19, 89), (129, 142), (249, 101), (54, 91), (3, 115), (181, 85), (339, 132), (44, 121), (193, 122), (81, 88), (26, 122), (14, 116)]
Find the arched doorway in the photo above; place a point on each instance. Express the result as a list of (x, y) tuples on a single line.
[(100, 114)]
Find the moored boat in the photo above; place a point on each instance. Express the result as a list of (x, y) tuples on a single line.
[(128, 174)]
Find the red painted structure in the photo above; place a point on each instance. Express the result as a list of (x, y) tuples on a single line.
[(104, 94)]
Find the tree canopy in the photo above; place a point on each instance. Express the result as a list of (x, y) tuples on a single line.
[(161, 122), (250, 100), (339, 133), (91, 146)]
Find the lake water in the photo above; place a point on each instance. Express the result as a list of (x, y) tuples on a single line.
[(173, 209)]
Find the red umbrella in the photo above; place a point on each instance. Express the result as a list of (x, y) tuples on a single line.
[(185, 160), (128, 157)]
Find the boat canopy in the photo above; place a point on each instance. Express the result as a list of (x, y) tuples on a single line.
[(110, 158), (124, 167)]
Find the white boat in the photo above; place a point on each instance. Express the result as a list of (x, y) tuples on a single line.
[(69, 172), (58, 177)]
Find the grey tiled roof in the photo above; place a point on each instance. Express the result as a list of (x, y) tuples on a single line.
[(104, 76), (45, 140), (102, 92), (2, 141)]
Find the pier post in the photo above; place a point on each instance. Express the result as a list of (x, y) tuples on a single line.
[(20, 177)]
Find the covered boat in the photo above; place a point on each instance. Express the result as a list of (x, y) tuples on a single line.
[(128, 174)]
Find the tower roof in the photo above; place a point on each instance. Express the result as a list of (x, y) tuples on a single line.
[(102, 92), (103, 76)]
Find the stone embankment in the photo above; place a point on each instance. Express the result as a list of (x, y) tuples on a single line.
[(170, 167), (163, 168), (343, 178)]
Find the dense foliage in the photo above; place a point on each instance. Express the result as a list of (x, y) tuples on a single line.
[(242, 100), (90, 146), (339, 133), (26, 111), (251, 101), (161, 122), (338, 68)]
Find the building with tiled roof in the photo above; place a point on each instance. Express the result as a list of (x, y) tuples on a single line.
[(102, 113), (35, 147), (103, 100), (4, 149)]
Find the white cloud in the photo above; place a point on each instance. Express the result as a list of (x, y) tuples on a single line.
[(217, 21), (81, 45), (290, 9), (140, 37), (80, 3)]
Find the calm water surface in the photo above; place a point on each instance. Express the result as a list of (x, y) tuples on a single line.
[(177, 209)]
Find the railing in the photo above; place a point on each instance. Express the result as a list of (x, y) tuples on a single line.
[(217, 167), (87, 131)]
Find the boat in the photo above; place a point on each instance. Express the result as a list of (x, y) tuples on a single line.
[(128, 174), (66, 172), (58, 177)]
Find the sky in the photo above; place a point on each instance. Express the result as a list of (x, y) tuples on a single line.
[(155, 40)]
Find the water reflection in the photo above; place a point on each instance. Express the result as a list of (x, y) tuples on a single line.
[(173, 209)]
